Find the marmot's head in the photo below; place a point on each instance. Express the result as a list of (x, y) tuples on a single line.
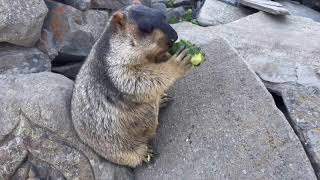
[(139, 33)]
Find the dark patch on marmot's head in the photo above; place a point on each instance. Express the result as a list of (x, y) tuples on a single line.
[(142, 31), (148, 19)]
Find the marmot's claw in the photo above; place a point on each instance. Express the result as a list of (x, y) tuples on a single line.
[(165, 100), (149, 155)]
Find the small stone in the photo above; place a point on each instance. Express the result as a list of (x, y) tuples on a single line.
[(266, 6)]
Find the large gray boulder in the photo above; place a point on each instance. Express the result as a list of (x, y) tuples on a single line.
[(215, 12), (21, 60), (69, 32), (278, 49), (283, 52), (21, 21), (297, 9), (224, 124), (36, 133)]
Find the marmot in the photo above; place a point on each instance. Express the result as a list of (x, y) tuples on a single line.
[(118, 89)]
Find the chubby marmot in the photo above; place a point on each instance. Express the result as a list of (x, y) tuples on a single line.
[(118, 90)]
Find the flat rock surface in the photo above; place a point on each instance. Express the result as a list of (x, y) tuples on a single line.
[(21, 60), (278, 49), (214, 12), (266, 5), (36, 132), (272, 48), (224, 124), (21, 21)]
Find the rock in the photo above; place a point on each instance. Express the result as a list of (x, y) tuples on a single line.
[(21, 21), (232, 2), (214, 12), (302, 106), (160, 6), (68, 70), (315, 4), (110, 4), (21, 60), (12, 154), (70, 33), (79, 4), (300, 10), (36, 109), (224, 124), (273, 48), (177, 3), (266, 6), (177, 13)]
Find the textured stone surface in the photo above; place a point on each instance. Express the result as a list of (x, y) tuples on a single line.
[(21, 21), (224, 124), (79, 4), (110, 4), (267, 6), (300, 10), (214, 12), (273, 48), (15, 60), (34, 109), (69, 32), (303, 109), (279, 50), (284, 51), (233, 2)]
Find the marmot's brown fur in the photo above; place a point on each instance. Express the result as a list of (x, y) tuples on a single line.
[(118, 90)]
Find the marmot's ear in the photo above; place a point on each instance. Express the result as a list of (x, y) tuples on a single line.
[(119, 20)]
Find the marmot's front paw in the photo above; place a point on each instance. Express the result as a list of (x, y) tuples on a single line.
[(183, 60), (165, 100)]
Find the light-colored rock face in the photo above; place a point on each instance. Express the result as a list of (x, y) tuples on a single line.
[(37, 133), (21, 21), (300, 10), (224, 124), (267, 6), (70, 32), (20, 60), (215, 12), (279, 50), (284, 53)]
